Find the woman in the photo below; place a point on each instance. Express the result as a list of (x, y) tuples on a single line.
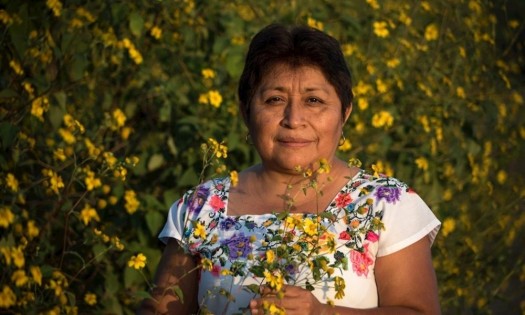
[(372, 232)]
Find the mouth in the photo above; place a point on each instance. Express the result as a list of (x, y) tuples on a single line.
[(294, 142)]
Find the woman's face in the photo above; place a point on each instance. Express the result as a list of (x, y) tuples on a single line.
[(295, 118)]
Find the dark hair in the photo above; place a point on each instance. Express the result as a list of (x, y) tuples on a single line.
[(295, 46)]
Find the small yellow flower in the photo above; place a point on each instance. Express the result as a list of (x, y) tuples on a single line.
[(501, 177), (39, 106), (270, 256), (234, 177), (346, 146), (55, 6), (67, 136), (324, 166), (18, 257), (119, 118), (88, 214), (274, 280), (16, 67), (32, 229), (91, 181), (7, 297), (422, 163), (431, 32), (200, 231), (137, 262), (90, 299), (208, 73), (36, 274), (313, 23), (340, 285), (131, 202), (19, 278), (393, 63), (460, 92), (310, 227), (380, 29), (373, 4), (215, 98), (156, 32), (449, 225), (382, 119), (207, 264), (6, 217), (12, 182)]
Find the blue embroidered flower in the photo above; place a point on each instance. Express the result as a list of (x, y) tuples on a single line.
[(238, 246), (227, 224), (389, 193)]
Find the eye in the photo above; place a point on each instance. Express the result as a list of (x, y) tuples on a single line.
[(273, 100), (314, 100)]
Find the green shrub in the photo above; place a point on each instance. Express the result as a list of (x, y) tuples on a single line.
[(104, 106)]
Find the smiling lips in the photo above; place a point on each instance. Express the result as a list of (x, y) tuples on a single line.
[(293, 142)]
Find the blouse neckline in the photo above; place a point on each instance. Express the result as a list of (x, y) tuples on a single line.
[(227, 182)]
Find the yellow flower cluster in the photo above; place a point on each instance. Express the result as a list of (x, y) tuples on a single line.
[(55, 6), (135, 55), (220, 150), (39, 106), (88, 213), (208, 73), (212, 97), (382, 119), (381, 29), (131, 201), (137, 261), (6, 217), (156, 32), (5, 18), (54, 181), (315, 23)]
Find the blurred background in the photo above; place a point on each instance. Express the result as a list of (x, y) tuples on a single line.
[(105, 106)]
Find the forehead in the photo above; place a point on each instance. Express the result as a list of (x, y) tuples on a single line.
[(284, 74)]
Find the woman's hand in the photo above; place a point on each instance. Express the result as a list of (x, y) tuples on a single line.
[(295, 300)]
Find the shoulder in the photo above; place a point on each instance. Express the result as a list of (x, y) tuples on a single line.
[(377, 184)]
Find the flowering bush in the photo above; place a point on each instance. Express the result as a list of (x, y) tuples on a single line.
[(104, 106)]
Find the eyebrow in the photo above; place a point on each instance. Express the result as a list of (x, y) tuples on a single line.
[(283, 89)]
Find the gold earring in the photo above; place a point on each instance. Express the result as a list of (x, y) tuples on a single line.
[(342, 140)]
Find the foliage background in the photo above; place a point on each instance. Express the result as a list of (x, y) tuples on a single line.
[(104, 106)]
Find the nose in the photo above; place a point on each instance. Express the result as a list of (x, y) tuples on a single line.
[(293, 116)]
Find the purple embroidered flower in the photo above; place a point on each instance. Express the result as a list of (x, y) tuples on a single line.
[(227, 224), (239, 246), (197, 200), (390, 194)]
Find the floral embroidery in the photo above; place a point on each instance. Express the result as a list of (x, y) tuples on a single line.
[(238, 246), (348, 231), (361, 261)]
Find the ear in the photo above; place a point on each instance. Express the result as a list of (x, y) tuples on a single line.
[(348, 111)]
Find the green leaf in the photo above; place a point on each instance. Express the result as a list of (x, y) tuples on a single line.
[(136, 23), (155, 221), (112, 282), (254, 288), (143, 295), (8, 134), (98, 250), (155, 161), (8, 93), (78, 67), (132, 277), (56, 116), (178, 292)]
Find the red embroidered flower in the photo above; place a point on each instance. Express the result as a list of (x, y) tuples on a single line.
[(372, 236), (344, 236), (216, 203), (343, 200), (361, 261)]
